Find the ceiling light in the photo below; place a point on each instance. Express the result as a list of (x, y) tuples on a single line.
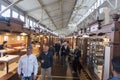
[(7, 34), (85, 36), (23, 34), (41, 35)]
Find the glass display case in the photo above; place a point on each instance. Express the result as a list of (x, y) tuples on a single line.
[(95, 55), (80, 43)]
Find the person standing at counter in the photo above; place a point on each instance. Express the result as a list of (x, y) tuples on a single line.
[(3, 45), (28, 66), (115, 68), (46, 60)]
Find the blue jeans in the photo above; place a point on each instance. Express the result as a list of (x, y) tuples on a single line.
[(27, 78)]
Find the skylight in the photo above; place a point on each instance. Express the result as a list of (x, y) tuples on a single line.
[(79, 15)]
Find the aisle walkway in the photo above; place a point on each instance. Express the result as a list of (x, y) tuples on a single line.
[(60, 72)]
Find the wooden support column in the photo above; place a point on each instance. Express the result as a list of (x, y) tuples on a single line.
[(84, 48), (52, 39), (28, 40), (43, 39), (49, 40), (72, 42), (115, 38), (41, 42), (77, 38)]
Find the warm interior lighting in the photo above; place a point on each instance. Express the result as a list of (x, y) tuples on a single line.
[(106, 40), (41, 35), (22, 37), (18, 38), (5, 38), (47, 36), (7, 34), (85, 36), (44, 39), (23, 34), (13, 39), (75, 36)]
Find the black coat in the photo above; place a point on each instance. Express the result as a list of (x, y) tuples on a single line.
[(77, 54), (1, 46), (65, 51), (48, 59), (57, 47)]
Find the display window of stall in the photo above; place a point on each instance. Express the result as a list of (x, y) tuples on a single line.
[(35, 47), (36, 41), (95, 55), (80, 42), (70, 40)]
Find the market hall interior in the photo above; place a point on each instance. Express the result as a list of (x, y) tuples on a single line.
[(91, 25)]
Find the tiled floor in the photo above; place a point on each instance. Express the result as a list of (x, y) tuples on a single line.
[(60, 72)]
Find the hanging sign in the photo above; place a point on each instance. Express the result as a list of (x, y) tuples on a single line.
[(94, 28)]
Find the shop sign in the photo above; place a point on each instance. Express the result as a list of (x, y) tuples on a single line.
[(94, 28), (37, 31), (88, 30), (79, 32)]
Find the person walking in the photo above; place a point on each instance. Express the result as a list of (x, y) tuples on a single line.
[(76, 56), (65, 50), (52, 49), (46, 60), (57, 49), (28, 66), (115, 68)]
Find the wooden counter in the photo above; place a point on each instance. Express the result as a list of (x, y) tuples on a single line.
[(19, 48), (2, 52), (7, 59)]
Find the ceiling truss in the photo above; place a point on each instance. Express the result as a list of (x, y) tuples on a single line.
[(38, 8), (11, 5), (46, 12)]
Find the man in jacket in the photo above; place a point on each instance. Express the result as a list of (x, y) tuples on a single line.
[(76, 56), (28, 66), (57, 48), (46, 60), (65, 50), (115, 68)]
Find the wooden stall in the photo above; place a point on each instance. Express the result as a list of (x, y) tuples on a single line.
[(99, 48)]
